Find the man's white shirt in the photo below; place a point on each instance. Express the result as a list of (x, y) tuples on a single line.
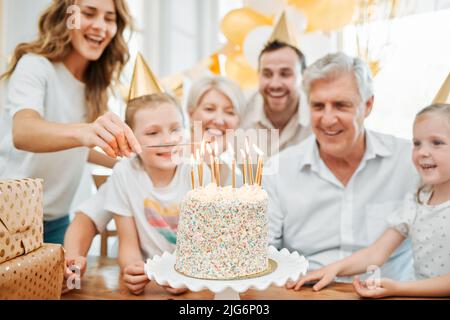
[(312, 212)]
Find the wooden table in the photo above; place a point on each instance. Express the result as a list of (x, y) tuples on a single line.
[(102, 281)]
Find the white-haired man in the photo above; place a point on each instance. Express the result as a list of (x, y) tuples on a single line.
[(333, 192)]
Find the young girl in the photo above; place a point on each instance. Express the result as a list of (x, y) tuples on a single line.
[(425, 217), (145, 192), (57, 99)]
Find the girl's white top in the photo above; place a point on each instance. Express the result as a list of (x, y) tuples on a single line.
[(429, 229)]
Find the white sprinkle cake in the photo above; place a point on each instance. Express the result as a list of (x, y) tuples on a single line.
[(223, 232)]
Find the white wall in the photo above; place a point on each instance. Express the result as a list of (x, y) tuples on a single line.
[(18, 23), (21, 21), (175, 34)]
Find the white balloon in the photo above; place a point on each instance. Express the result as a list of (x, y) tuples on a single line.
[(265, 7), (297, 18), (315, 45), (254, 42)]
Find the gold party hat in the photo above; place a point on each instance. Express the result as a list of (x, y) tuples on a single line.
[(283, 32), (144, 81), (443, 95)]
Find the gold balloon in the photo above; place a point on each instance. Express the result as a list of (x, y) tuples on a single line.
[(175, 83), (239, 22), (326, 15), (231, 50), (214, 65), (239, 70)]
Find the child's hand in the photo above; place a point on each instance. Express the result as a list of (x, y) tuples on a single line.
[(135, 278), (175, 291), (371, 289), (80, 263), (324, 275)]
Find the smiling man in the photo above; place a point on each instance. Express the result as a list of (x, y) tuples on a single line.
[(334, 191), (278, 104)]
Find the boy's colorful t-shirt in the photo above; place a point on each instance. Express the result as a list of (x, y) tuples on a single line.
[(163, 219), (155, 211)]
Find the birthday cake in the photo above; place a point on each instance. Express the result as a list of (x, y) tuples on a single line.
[(223, 232)]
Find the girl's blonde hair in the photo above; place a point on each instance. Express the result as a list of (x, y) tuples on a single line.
[(54, 43), (222, 84), (149, 101), (436, 108), (441, 108)]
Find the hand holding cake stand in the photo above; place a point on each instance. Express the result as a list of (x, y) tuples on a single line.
[(284, 266)]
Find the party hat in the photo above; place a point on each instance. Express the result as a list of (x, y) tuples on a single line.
[(443, 95), (283, 32), (144, 81)]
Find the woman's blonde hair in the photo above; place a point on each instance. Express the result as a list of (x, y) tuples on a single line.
[(436, 108), (150, 101), (221, 84), (54, 43)]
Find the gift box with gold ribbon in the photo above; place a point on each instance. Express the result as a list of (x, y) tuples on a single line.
[(36, 275), (21, 217), (29, 269)]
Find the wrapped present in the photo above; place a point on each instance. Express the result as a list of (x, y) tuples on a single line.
[(36, 275), (21, 217)]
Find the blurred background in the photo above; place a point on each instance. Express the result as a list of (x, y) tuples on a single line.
[(406, 43)]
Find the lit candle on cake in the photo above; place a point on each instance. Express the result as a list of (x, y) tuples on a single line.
[(192, 171), (217, 171), (202, 149), (249, 162), (244, 166), (199, 168), (211, 157), (217, 162), (260, 165), (233, 165)]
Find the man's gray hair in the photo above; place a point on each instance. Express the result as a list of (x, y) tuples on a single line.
[(334, 64)]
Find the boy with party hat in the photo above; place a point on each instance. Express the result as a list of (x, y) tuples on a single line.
[(144, 192), (279, 103)]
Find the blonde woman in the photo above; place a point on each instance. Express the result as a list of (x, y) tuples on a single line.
[(213, 105), (57, 96)]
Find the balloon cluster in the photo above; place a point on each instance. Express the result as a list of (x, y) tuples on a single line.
[(248, 28)]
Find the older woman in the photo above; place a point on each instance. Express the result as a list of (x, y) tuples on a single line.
[(213, 105)]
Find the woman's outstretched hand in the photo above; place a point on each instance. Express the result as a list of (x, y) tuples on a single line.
[(112, 135)]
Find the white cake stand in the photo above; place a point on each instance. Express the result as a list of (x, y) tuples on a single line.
[(290, 266)]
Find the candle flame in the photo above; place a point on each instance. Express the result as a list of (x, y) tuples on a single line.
[(216, 148), (243, 154), (258, 150), (208, 148), (247, 148), (202, 148), (230, 149)]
